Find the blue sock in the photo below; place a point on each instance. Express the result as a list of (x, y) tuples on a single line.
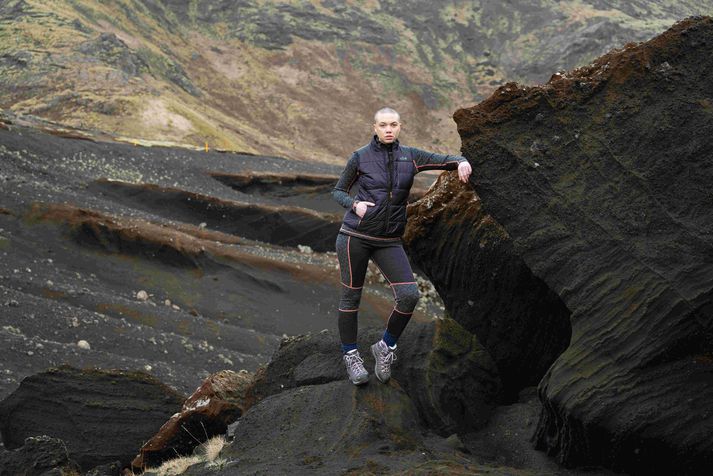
[(389, 339), (347, 347)]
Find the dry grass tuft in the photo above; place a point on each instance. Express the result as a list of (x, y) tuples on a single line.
[(212, 448), (205, 453)]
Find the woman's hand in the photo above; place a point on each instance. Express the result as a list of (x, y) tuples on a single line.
[(360, 208), (464, 171)]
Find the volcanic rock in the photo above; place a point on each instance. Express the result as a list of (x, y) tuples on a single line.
[(37, 456), (602, 179), (448, 375), (101, 415), (484, 283), (314, 425), (220, 400)]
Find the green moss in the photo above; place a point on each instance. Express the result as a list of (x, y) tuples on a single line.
[(451, 338), (173, 284), (4, 243)]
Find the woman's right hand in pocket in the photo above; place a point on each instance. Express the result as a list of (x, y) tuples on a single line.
[(361, 207)]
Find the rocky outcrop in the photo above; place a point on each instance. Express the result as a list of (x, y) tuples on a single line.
[(102, 416), (314, 425), (448, 375), (311, 419), (107, 48), (40, 455), (221, 399), (485, 284), (601, 179)]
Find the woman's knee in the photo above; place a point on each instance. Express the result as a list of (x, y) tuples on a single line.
[(350, 298), (407, 296)]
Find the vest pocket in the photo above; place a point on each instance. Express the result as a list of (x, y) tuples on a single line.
[(371, 221)]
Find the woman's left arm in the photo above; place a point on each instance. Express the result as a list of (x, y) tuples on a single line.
[(424, 160)]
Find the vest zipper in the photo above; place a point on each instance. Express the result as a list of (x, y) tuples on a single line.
[(390, 182)]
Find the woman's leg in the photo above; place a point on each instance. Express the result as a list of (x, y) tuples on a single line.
[(353, 254), (392, 261)]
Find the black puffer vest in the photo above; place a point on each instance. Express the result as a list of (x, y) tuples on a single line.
[(384, 177)]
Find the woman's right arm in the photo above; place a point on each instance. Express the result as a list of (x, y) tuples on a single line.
[(346, 180)]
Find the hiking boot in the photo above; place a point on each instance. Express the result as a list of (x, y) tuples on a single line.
[(384, 356), (355, 367)]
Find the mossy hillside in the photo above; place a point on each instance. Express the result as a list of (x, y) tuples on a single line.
[(284, 66)]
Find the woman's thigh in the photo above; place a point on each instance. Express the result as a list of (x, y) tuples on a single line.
[(394, 264), (353, 254)]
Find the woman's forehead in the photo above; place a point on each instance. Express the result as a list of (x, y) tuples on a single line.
[(387, 117)]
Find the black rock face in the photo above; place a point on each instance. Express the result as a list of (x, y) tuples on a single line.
[(37, 456), (486, 286), (88, 410), (602, 179)]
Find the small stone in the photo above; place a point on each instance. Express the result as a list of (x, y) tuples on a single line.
[(175, 307), (202, 225), (50, 283), (167, 302), (29, 352), (142, 295), (147, 368), (12, 303), (82, 344), (305, 249)]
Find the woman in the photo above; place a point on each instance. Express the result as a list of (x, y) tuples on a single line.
[(372, 228)]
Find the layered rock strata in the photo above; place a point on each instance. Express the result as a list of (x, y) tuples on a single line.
[(485, 284), (100, 415), (601, 178)]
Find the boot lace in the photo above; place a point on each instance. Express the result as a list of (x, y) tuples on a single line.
[(354, 362), (387, 358)]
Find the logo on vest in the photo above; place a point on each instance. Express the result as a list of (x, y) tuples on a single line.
[(403, 159)]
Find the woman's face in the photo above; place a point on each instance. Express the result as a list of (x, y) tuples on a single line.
[(387, 127)]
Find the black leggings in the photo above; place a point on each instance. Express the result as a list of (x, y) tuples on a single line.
[(390, 258)]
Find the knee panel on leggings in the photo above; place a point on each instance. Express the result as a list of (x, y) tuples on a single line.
[(350, 299), (407, 296)]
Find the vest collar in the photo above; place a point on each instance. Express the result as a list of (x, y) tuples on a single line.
[(378, 145)]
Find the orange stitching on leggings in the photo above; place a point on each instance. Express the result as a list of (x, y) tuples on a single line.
[(349, 259), (382, 272), (350, 287), (404, 313)]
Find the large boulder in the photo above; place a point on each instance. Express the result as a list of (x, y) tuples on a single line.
[(101, 415), (335, 424), (40, 455), (221, 399), (448, 375), (602, 179), (485, 284)]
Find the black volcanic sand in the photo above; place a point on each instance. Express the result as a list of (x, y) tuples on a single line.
[(73, 274)]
